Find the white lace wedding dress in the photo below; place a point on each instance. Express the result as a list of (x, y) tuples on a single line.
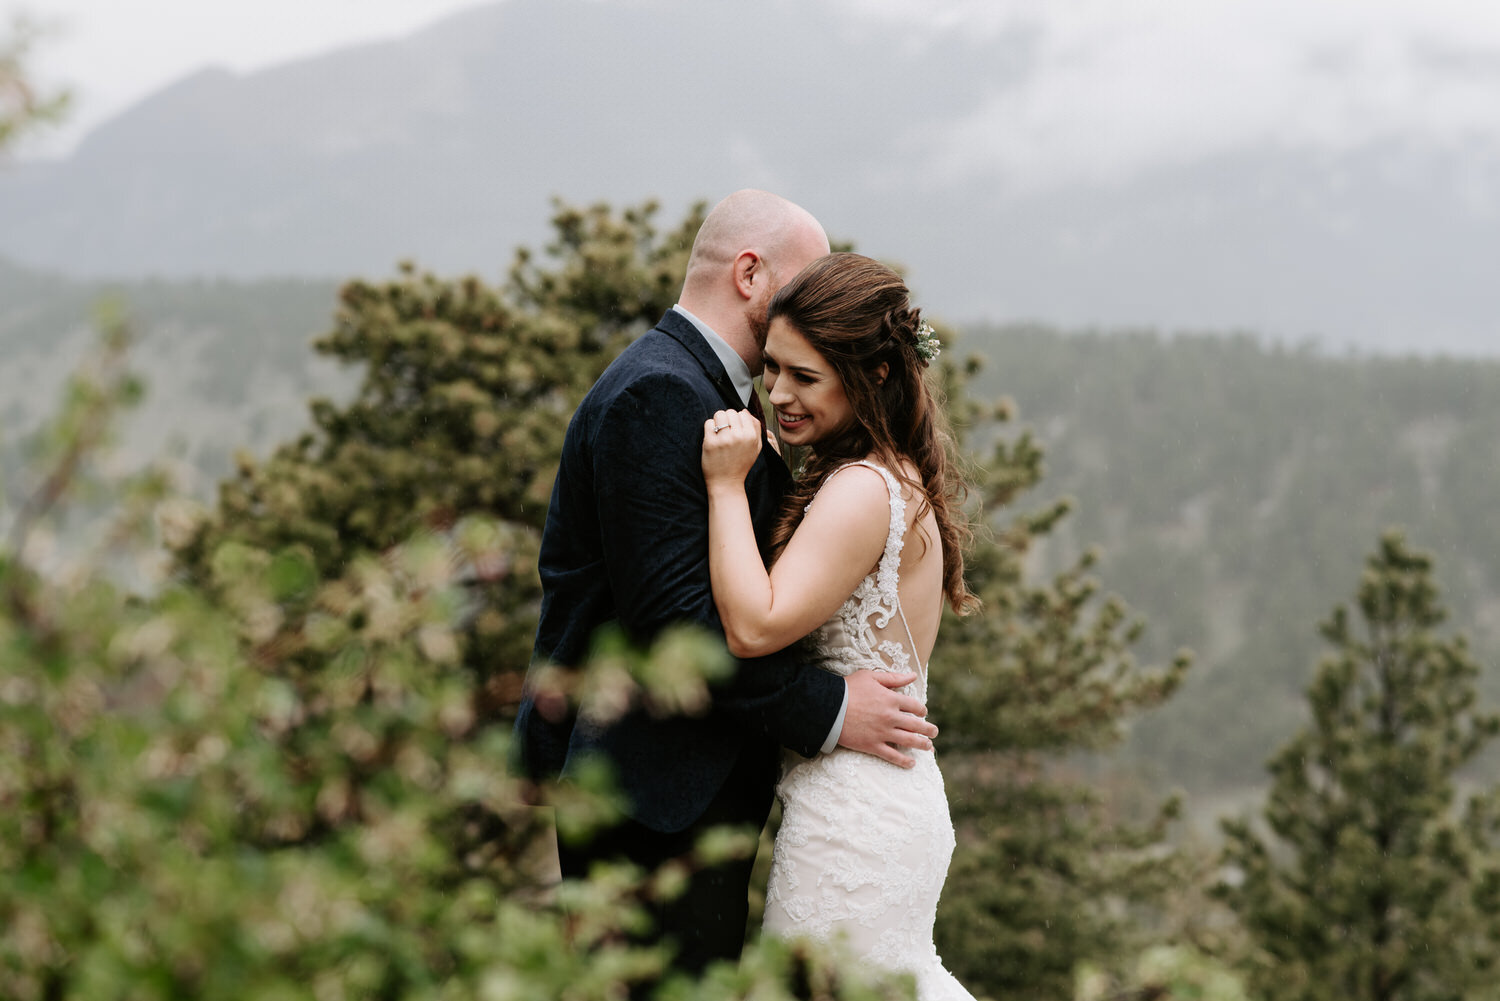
[(864, 846)]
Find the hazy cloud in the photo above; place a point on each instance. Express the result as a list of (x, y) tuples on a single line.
[(111, 53), (1109, 90)]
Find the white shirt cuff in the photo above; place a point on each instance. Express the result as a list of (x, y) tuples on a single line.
[(838, 724)]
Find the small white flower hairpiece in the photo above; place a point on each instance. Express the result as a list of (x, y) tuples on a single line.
[(927, 344)]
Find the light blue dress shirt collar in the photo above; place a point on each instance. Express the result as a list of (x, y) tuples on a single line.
[(739, 372)]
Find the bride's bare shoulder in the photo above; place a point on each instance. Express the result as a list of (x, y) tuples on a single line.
[(852, 508), (853, 489), (854, 480), (908, 477)]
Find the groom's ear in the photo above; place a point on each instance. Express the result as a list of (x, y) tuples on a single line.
[(749, 270)]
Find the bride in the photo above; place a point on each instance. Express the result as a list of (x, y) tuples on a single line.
[(867, 549)]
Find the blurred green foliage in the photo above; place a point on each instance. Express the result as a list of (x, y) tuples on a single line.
[(276, 773), (188, 811), (22, 107), (349, 625)]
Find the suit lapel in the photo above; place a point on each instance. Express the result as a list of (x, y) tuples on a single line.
[(681, 329)]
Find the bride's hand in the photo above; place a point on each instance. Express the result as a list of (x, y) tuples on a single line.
[(731, 441)]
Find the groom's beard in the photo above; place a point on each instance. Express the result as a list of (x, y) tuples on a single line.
[(760, 328)]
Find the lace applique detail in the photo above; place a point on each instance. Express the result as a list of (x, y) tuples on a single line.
[(864, 846), (861, 630)]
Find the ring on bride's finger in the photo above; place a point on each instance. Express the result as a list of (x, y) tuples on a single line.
[(720, 427)]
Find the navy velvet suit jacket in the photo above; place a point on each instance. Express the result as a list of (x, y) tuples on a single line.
[(626, 543)]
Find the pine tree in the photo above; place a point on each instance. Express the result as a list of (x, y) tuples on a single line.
[(1369, 883), (1044, 877), (457, 424), (267, 779), (456, 431), (186, 815), (186, 811)]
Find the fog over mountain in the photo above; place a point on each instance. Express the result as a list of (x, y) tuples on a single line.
[(1329, 174)]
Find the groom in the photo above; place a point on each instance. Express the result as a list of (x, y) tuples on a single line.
[(626, 544)]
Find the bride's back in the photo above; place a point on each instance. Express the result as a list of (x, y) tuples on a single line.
[(894, 613), (921, 585)]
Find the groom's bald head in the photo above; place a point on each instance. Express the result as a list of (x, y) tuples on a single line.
[(782, 232), (750, 244)]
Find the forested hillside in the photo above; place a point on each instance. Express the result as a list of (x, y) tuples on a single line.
[(1231, 487), (227, 365)]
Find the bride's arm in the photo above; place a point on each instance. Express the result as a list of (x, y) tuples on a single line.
[(838, 542)]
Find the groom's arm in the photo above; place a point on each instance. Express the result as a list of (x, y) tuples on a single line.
[(653, 517)]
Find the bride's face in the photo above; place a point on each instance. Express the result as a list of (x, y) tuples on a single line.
[(805, 390)]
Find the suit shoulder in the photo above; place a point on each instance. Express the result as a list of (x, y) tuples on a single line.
[(655, 363), (659, 395)]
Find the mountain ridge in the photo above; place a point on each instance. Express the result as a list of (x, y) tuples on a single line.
[(447, 147)]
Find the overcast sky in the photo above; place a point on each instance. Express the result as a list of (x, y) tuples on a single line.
[(1114, 87), (1109, 87), (111, 53)]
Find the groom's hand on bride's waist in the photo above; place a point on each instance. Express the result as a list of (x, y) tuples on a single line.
[(882, 721)]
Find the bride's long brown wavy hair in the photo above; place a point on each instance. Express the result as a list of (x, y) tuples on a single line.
[(856, 313)]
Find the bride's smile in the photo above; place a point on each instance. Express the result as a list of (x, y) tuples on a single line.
[(808, 395), (790, 421)]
